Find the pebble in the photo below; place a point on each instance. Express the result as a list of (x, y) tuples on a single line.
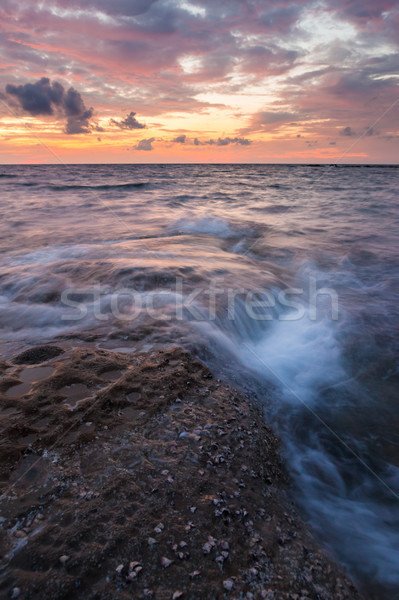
[(20, 534), (166, 562), (63, 559), (207, 547), (228, 584), (195, 574), (224, 545), (151, 541), (134, 571), (119, 569), (159, 528), (190, 436), (177, 594), (15, 593)]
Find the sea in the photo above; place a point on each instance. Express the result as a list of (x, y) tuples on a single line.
[(283, 279)]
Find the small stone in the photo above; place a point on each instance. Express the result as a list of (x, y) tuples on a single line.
[(151, 541), (119, 569), (63, 559), (166, 562), (228, 584), (134, 570), (224, 545), (189, 436), (177, 594), (195, 574), (132, 576), (16, 592), (148, 593), (20, 534), (193, 509), (207, 547), (159, 528)]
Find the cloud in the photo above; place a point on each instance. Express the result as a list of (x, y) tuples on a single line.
[(38, 98), (145, 144), (317, 64), (46, 98), (129, 122), (265, 120), (223, 142), (78, 115), (180, 139), (348, 132)]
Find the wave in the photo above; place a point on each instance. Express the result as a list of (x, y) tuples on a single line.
[(75, 186), (213, 226)]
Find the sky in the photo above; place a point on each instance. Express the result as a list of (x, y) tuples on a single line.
[(247, 81)]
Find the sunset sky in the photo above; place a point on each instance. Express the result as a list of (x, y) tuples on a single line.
[(100, 81)]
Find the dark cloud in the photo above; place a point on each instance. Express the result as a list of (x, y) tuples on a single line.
[(223, 142), (348, 132), (180, 139), (145, 144), (38, 98), (364, 11), (50, 98), (370, 131), (130, 122), (78, 116)]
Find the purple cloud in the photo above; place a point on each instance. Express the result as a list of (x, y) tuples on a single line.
[(145, 145), (129, 122), (46, 98)]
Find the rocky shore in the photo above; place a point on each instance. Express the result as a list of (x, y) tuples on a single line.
[(140, 476)]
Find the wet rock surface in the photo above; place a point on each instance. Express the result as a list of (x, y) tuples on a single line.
[(162, 483)]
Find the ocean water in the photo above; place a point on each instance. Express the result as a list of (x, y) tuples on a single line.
[(284, 279)]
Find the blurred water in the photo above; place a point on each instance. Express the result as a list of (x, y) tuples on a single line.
[(187, 244)]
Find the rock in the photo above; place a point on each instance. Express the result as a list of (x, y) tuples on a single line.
[(16, 592), (189, 436), (166, 562), (63, 559), (119, 569), (195, 574), (207, 547), (151, 541), (177, 594), (20, 534), (228, 584), (37, 355), (159, 528)]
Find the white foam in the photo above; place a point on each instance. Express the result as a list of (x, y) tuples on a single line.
[(214, 226)]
